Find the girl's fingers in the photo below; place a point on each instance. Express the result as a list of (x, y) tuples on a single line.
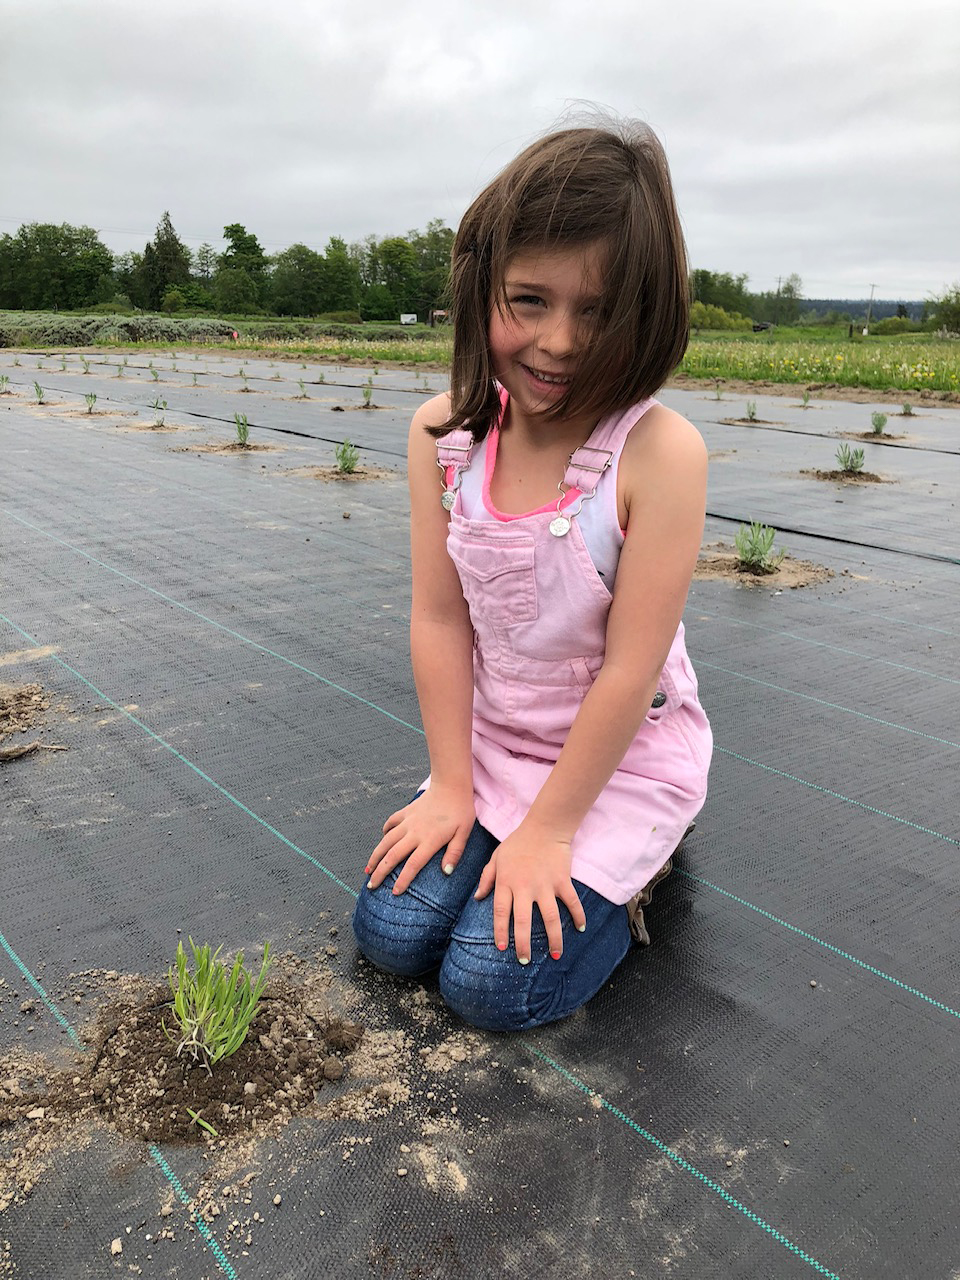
[(568, 896), (522, 913), (390, 859), (488, 878), (415, 863), (454, 851), (552, 923), (502, 904)]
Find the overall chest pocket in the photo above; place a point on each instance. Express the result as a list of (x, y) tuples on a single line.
[(497, 576)]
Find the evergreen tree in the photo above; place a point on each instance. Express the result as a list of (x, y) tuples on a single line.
[(341, 290), (296, 285)]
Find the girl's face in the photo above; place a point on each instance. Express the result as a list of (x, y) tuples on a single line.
[(553, 295)]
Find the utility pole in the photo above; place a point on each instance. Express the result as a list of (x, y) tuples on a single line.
[(866, 327)]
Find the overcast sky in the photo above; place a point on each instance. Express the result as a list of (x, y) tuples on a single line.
[(820, 137)]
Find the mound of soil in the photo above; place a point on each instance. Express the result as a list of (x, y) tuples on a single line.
[(718, 560), (21, 708), (750, 422), (133, 1078), (341, 477), (849, 477), (233, 447), (886, 438)]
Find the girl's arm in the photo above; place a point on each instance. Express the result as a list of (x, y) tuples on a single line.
[(441, 649), (665, 467)]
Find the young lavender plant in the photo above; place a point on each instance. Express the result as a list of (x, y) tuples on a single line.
[(805, 399), (878, 422), (751, 410), (849, 460), (755, 552), (91, 400), (214, 1007), (243, 431), (347, 455), (4, 381), (908, 411), (38, 392)]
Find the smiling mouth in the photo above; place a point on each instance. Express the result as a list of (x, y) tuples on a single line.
[(554, 379)]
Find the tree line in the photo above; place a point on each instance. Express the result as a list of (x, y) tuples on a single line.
[(44, 267)]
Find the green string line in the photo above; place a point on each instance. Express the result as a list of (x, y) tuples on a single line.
[(837, 795), (219, 625), (688, 875), (41, 993), (199, 772), (168, 1173), (687, 1167), (824, 644), (822, 702), (201, 1226)]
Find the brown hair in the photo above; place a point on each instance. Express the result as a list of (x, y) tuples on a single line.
[(573, 188)]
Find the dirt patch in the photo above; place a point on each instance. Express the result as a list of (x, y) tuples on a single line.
[(886, 438), (130, 1079), (341, 477), (822, 390), (849, 477), (233, 447), (750, 422), (22, 708), (718, 560), (152, 428)]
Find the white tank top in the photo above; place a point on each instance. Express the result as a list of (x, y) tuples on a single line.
[(599, 519)]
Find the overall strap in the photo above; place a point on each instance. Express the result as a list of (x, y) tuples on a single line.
[(454, 454), (588, 463)]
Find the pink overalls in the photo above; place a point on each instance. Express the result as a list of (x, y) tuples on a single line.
[(539, 612)]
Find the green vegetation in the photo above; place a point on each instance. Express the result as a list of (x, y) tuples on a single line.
[(347, 456), (755, 552), (213, 1007), (38, 392), (367, 392), (243, 431), (161, 407), (908, 411), (850, 461), (751, 410), (91, 400), (4, 383), (878, 421)]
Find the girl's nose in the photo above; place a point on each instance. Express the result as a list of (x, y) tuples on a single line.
[(558, 338)]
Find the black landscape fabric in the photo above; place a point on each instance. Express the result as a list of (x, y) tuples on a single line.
[(766, 1091)]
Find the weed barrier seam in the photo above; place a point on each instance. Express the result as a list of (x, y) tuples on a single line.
[(162, 1164), (825, 644), (684, 1164), (884, 442), (354, 894), (846, 542), (397, 617)]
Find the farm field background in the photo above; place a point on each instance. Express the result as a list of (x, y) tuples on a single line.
[(816, 358)]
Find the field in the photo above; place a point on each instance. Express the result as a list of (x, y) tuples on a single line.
[(203, 653)]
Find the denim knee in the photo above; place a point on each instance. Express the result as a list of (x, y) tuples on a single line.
[(491, 989), (408, 933)]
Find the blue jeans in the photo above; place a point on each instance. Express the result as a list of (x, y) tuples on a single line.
[(437, 922)]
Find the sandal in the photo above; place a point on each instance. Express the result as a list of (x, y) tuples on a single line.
[(638, 930)]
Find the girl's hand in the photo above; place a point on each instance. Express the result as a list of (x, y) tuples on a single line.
[(530, 866), (438, 817)]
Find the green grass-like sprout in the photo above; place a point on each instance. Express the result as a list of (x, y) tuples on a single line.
[(243, 431), (39, 392), (214, 1006), (751, 410), (850, 460), (347, 455), (91, 400), (755, 552)]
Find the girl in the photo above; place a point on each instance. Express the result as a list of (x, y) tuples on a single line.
[(568, 750)]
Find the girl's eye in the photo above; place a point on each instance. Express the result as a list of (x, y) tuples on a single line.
[(527, 299)]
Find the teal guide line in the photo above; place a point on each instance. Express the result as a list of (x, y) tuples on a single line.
[(687, 1167), (168, 1173)]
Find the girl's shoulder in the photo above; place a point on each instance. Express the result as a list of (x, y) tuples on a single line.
[(432, 412), (663, 449)]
